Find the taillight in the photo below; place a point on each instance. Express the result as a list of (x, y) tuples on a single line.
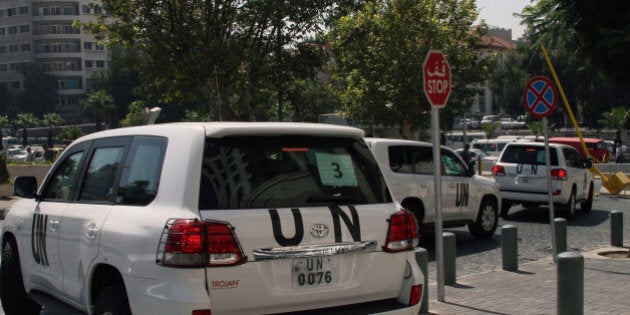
[(194, 243), (416, 295), (559, 173), (403, 232), (498, 170)]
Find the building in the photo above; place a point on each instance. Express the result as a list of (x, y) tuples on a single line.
[(495, 43), (44, 32)]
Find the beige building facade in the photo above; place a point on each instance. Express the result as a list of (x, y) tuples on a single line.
[(45, 32)]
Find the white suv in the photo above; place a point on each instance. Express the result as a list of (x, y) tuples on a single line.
[(521, 172), (467, 199), (201, 218)]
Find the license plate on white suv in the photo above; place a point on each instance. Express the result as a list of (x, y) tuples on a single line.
[(310, 272)]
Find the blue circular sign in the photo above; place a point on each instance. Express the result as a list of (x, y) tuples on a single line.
[(541, 97)]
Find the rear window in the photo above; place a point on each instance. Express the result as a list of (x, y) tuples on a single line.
[(245, 172), (525, 154)]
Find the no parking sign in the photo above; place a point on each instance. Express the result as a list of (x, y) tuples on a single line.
[(540, 97)]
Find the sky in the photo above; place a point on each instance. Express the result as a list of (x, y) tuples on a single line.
[(499, 13)]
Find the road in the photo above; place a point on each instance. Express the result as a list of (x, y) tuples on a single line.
[(585, 232)]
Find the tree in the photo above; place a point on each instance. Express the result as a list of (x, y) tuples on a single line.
[(222, 59), (4, 122), (24, 121), (616, 119), (52, 120), (69, 134), (599, 30), (134, 116), (100, 104), (378, 58), (40, 91)]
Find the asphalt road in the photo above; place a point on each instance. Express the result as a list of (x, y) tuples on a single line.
[(587, 231)]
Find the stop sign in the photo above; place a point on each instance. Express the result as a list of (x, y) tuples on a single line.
[(437, 78)]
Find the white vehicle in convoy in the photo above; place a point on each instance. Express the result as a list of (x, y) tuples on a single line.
[(211, 218), (521, 172), (467, 199)]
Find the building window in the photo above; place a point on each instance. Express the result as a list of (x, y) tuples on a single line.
[(25, 28), (11, 12), (15, 84), (89, 63), (100, 47), (13, 48), (44, 11), (26, 47), (69, 29), (3, 49), (55, 10), (3, 67), (98, 9), (2, 13), (13, 30), (23, 10), (87, 45), (68, 10), (100, 63), (3, 31), (86, 9)]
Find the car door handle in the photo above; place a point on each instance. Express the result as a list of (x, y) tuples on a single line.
[(53, 225), (92, 231)]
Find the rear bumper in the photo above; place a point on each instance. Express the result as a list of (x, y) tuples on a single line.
[(533, 197)]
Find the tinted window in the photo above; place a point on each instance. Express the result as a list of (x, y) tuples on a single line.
[(525, 154), (572, 157), (62, 184), (98, 184), (141, 174), (269, 172), (411, 159), (452, 165)]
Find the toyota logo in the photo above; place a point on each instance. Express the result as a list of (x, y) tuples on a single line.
[(319, 230)]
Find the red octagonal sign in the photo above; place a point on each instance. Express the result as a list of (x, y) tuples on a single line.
[(437, 78)]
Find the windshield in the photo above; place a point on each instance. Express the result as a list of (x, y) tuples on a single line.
[(244, 172), (525, 154)]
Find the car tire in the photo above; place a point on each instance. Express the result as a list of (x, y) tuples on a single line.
[(112, 300), (487, 220), (569, 207), (587, 205), (12, 292)]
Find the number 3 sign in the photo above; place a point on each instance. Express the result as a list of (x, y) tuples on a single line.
[(336, 169)]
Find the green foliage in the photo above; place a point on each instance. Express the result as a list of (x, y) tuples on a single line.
[(40, 91), (134, 116), (100, 104), (221, 59), (378, 59), (5, 177), (490, 129), (24, 121), (69, 134), (617, 118), (597, 30)]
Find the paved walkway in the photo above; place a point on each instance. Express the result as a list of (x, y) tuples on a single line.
[(533, 288)]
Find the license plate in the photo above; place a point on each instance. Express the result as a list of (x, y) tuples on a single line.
[(313, 272)]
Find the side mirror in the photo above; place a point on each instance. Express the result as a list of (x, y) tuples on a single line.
[(25, 186)]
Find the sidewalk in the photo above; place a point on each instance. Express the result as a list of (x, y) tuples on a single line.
[(532, 289)]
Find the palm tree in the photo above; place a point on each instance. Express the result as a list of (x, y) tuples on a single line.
[(4, 122), (100, 104), (616, 119), (25, 120), (52, 120)]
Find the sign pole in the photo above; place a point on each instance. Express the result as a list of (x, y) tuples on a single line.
[(437, 184), (550, 190), (436, 76)]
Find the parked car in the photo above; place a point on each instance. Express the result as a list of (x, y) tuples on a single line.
[(596, 147), (16, 155), (492, 146), (468, 199), (521, 173), (201, 218), (455, 139)]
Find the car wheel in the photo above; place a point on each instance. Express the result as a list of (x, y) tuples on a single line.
[(12, 292), (487, 220), (569, 207), (112, 300), (587, 205)]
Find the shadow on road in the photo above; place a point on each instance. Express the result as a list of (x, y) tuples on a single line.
[(464, 242), (541, 215)]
